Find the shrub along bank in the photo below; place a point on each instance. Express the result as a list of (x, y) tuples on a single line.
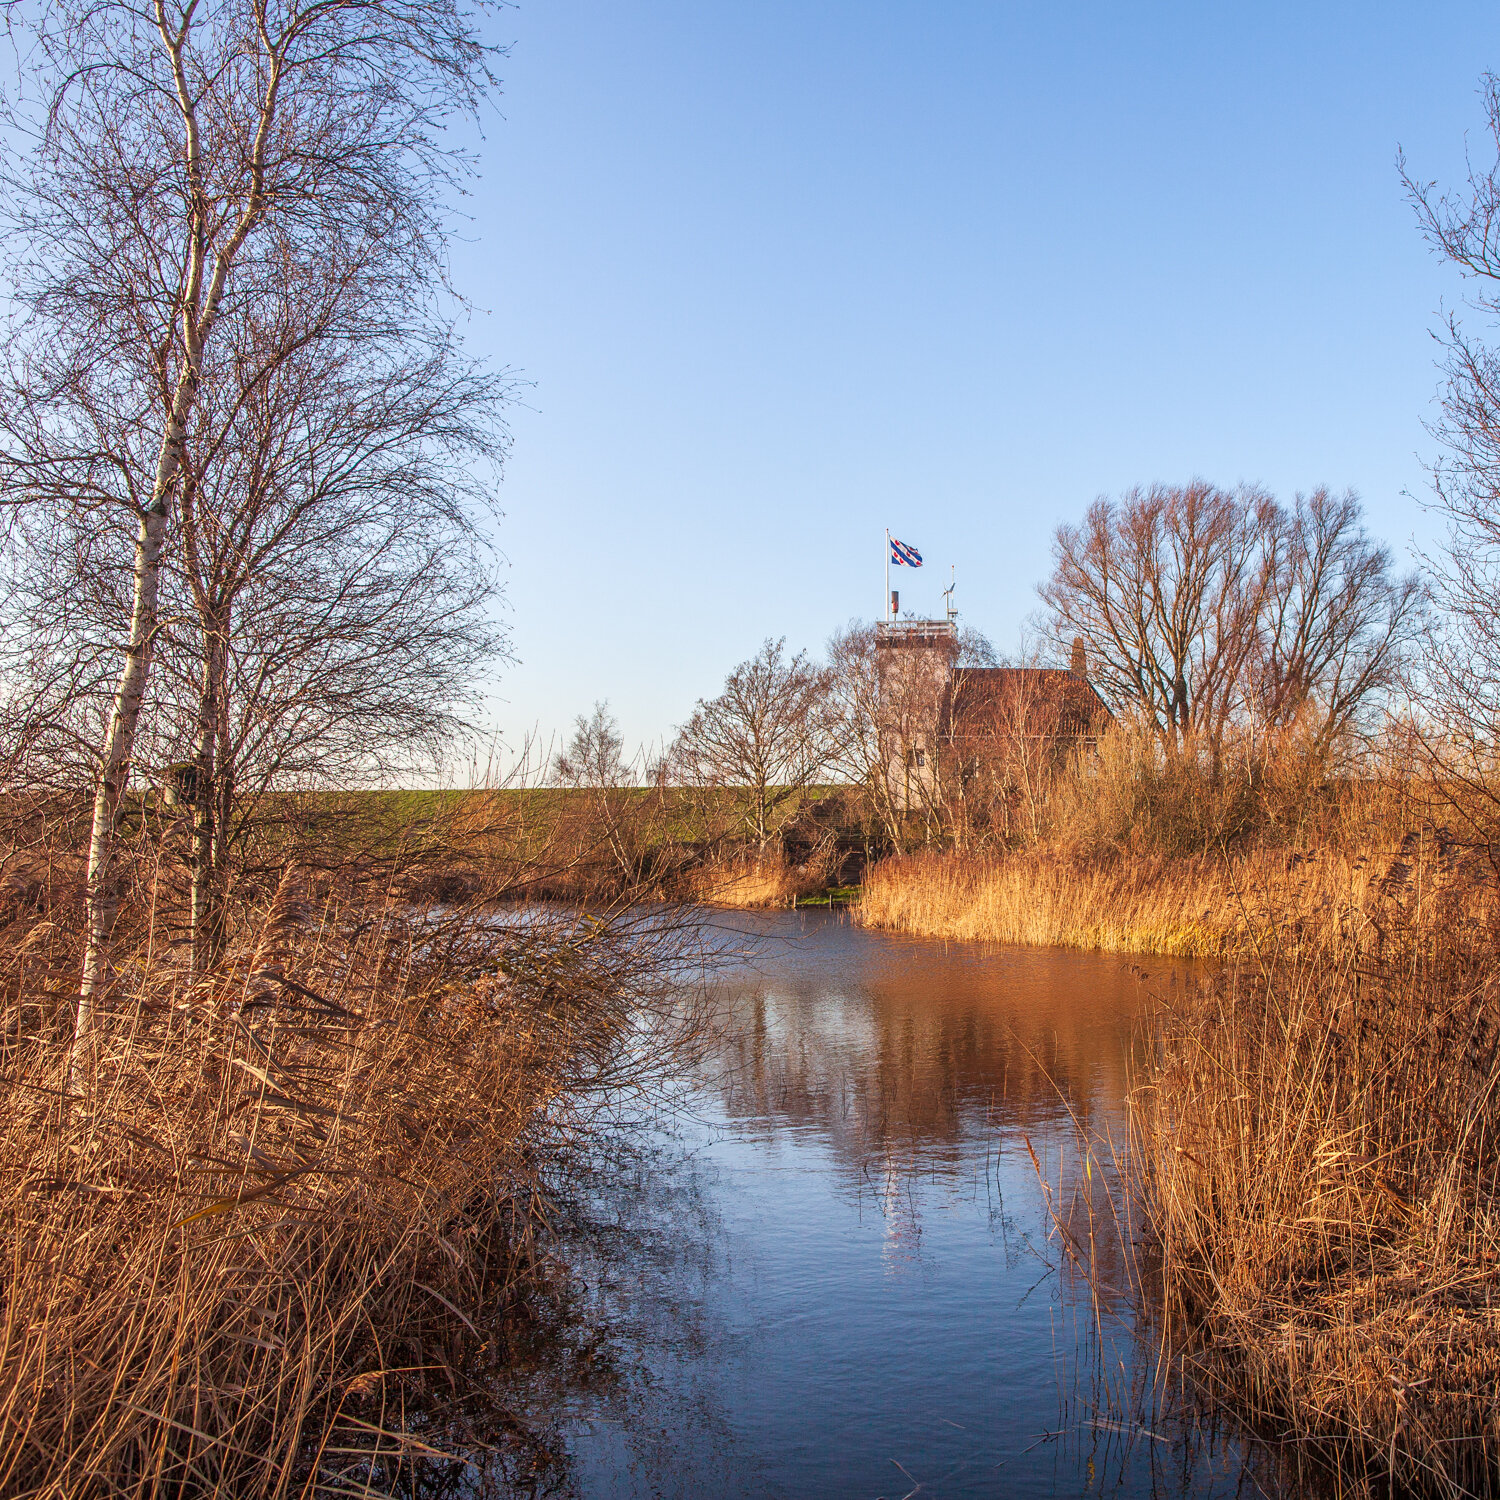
[(280, 1230)]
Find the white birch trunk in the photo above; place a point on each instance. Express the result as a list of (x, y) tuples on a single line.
[(102, 887), (198, 318), (206, 914), (114, 771)]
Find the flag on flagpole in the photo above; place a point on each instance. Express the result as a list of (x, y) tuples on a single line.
[(905, 555)]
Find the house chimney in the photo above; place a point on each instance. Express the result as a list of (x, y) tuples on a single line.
[(1079, 666)]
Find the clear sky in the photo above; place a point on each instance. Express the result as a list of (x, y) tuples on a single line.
[(784, 274)]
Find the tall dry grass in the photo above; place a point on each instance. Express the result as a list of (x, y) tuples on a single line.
[(1129, 796), (1200, 906), (284, 1242), (1317, 1153), (1033, 897), (751, 882), (1126, 847)]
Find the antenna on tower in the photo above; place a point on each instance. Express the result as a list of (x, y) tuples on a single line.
[(948, 593)]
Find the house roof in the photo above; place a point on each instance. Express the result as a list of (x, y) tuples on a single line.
[(983, 702)]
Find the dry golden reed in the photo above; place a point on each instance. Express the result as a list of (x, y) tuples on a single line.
[(753, 883), (1202, 906), (272, 1251), (1318, 1148), (1315, 1145)]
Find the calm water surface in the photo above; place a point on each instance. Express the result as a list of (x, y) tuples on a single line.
[(834, 1273)]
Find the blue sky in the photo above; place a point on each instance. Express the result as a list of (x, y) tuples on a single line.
[(782, 275)]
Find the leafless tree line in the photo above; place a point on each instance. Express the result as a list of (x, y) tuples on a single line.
[(1206, 613), (1207, 618), (764, 739), (245, 461)]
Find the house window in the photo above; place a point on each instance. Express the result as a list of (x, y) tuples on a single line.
[(921, 759)]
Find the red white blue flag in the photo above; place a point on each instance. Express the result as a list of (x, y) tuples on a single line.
[(905, 555)]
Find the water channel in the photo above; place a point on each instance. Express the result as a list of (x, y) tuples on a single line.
[(832, 1270)]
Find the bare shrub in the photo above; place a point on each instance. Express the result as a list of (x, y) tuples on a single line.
[(1459, 686)]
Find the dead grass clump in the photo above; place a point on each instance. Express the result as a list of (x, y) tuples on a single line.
[(768, 881), (276, 1247), (1318, 1150)]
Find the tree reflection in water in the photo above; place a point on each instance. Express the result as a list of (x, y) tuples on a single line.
[(867, 1257)]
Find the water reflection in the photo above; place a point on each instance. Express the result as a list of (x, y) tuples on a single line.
[(836, 1273), (886, 1044)]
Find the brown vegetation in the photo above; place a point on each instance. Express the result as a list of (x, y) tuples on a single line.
[(1317, 1154), (601, 844), (1313, 1158), (286, 1240), (1121, 846), (755, 883), (1183, 907), (1196, 906)]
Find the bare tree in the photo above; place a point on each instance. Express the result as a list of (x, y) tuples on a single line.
[(332, 557), (885, 704), (184, 162), (1165, 589), (1202, 610), (595, 755), (862, 746), (766, 732), (593, 763), (323, 615), (1460, 683), (1336, 622)]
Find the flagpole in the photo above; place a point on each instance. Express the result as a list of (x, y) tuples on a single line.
[(885, 608)]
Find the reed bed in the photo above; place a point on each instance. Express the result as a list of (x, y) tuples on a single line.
[(290, 1231), (1193, 906), (1316, 1150)]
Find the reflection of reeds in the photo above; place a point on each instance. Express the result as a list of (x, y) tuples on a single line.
[(1121, 1407), (282, 1245)]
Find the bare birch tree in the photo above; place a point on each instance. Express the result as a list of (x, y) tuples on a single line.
[(331, 562), (183, 162), (323, 612)]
